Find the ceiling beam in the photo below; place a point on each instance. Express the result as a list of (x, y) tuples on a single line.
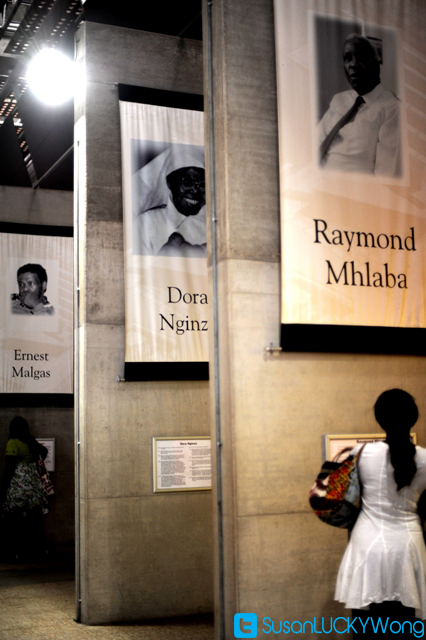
[(53, 167), (10, 17)]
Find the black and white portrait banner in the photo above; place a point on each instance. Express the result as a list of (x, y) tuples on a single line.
[(351, 109), (36, 331), (164, 208)]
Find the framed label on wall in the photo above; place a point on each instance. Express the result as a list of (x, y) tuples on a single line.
[(181, 464), (352, 176), (49, 443), (334, 444)]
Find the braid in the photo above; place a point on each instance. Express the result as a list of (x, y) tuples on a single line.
[(396, 412), (402, 452)]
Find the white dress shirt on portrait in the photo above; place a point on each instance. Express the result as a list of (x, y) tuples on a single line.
[(153, 228), (369, 143)]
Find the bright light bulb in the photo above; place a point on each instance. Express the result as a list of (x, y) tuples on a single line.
[(51, 76)]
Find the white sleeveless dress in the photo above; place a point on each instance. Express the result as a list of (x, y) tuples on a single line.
[(386, 555)]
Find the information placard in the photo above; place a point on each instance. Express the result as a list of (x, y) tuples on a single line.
[(333, 444), (181, 464), (49, 443)]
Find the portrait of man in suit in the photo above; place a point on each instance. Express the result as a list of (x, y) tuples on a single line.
[(360, 129)]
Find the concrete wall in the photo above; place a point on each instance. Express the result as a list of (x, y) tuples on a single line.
[(143, 555), (36, 206), (45, 206), (280, 561)]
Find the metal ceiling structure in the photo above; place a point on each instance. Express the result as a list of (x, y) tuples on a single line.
[(35, 139), (33, 134)]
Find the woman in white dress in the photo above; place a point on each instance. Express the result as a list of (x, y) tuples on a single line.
[(383, 571)]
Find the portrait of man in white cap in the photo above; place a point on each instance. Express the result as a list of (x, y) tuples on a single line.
[(169, 213)]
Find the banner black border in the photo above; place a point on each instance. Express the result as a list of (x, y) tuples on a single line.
[(150, 371), (328, 338), (24, 400), (36, 229), (146, 371), (161, 97)]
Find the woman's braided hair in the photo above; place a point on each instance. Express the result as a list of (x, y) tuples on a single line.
[(396, 412)]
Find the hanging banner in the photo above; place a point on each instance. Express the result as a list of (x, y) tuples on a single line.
[(164, 209), (36, 332), (352, 113)]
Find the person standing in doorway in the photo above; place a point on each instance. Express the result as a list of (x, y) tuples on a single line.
[(23, 498)]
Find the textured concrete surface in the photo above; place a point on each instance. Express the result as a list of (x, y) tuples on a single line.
[(104, 152), (279, 560), (246, 131), (275, 552), (165, 408), (175, 552), (143, 555), (36, 206), (102, 297), (152, 60)]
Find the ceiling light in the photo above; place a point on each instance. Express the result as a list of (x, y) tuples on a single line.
[(51, 76)]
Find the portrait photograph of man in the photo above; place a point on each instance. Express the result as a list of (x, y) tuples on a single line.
[(31, 298), (358, 106), (168, 193)]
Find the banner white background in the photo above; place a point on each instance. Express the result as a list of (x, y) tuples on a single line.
[(342, 261), (165, 295), (37, 350)]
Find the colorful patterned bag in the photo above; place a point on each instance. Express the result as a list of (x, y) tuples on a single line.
[(336, 494), (45, 478)]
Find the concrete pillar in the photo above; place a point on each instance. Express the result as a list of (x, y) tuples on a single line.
[(143, 555), (279, 560)]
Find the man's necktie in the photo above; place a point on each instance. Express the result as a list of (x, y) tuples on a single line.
[(177, 245), (347, 117), (175, 240)]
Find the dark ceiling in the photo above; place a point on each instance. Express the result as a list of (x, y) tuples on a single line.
[(36, 140)]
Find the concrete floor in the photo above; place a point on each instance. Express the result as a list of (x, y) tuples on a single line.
[(37, 602)]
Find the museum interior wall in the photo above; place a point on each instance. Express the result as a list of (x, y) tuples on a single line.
[(279, 559), (23, 205), (146, 555), (143, 555)]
